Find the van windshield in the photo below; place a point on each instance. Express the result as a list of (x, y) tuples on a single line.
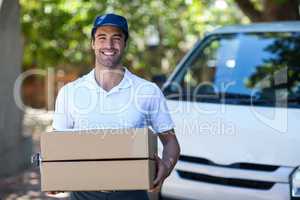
[(245, 68)]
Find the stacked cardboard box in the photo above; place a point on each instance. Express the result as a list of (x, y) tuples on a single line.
[(92, 160)]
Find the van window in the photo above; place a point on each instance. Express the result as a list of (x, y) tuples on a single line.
[(261, 69)]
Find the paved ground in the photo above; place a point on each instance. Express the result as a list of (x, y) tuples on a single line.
[(23, 186), (26, 184)]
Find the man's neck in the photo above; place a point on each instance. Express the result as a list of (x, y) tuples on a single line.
[(107, 78)]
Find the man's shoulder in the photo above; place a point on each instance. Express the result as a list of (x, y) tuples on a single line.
[(144, 85), (81, 81), (138, 79)]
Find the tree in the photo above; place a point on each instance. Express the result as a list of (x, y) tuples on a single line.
[(57, 32), (270, 10), (15, 148)]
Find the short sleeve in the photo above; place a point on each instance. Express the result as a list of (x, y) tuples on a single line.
[(62, 118), (159, 116)]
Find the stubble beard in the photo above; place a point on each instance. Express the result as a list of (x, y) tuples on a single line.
[(111, 63)]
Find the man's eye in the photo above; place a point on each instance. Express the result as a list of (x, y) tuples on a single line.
[(117, 38)]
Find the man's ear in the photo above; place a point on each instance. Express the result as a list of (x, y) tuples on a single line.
[(126, 44), (93, 44)]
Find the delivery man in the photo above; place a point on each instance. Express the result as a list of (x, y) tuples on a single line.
[(110, 96)]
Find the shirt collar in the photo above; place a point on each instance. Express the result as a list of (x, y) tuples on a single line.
[(126, 82)]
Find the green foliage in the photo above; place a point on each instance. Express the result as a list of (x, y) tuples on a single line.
[(57, 32)]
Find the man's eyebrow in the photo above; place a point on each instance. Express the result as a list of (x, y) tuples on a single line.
[(114, 35), (100, 34), (118, 34)]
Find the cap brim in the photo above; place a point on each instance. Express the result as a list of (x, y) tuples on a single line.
[(111, 24)]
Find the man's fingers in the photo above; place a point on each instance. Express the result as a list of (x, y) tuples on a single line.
[(157, 158), (158, 176), (53, 193), (156, 188), (155, 182)]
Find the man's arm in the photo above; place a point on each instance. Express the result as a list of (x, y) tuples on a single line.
[(171, 152)]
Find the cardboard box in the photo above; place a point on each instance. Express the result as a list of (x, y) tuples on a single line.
[(114, 159)]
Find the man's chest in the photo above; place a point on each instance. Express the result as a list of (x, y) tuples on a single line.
[(120, 110)]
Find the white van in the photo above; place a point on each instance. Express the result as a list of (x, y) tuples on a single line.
[(235, 101)]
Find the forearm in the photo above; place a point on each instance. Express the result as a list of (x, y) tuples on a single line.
[(171, 152)]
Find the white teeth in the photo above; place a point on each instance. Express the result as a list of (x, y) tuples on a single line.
[(108, 53)]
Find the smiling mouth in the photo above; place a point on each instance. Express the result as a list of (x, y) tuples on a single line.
[(108, 53)]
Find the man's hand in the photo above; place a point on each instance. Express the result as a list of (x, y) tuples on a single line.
[(163, 171), (171, 151), (52, 193)]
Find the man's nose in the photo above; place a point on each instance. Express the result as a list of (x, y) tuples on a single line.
[(109, 43)]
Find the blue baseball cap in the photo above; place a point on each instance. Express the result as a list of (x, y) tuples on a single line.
[(111, 20)]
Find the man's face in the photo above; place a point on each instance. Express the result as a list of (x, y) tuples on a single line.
[(109, 45)]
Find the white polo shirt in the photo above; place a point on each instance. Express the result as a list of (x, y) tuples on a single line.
[(133, 103)]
